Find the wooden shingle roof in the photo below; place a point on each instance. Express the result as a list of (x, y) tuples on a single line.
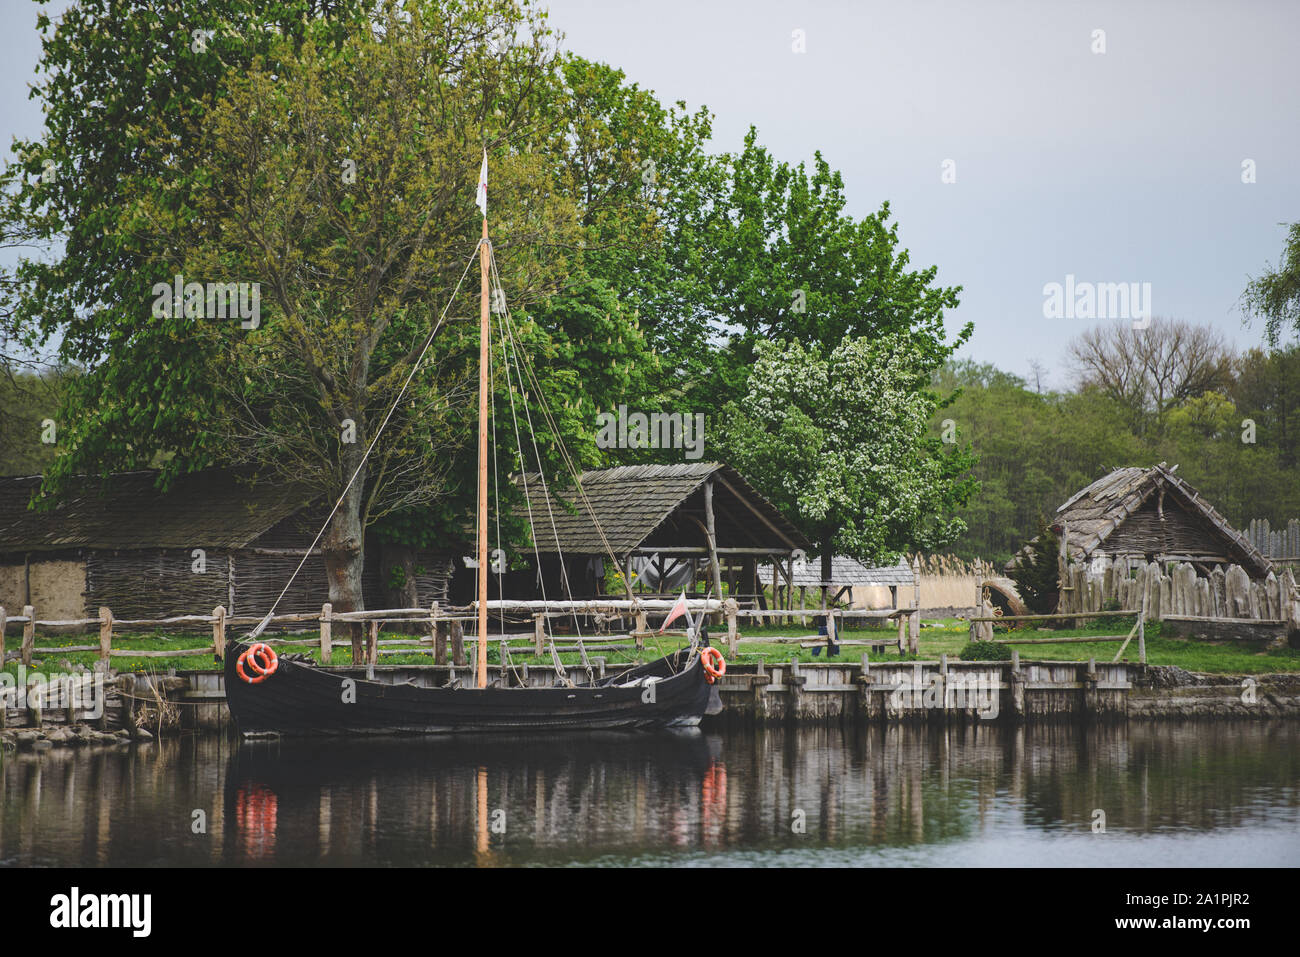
[(845, 572), (208, 509), (632, 502), (1093, 514)]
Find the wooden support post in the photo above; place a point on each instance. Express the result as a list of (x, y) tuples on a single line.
[(503, 656), (642, 629), (218, 632), (433, 630), (539, 633), (730, 607), (29, 634), (372, 648), (326, 633), (105, 639), (457, 643), (713, 540), (902, 632), (1142, 640), (4, 618), (776, 594)]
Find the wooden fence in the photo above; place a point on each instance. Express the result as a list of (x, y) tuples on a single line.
[(981, 628), (443, 629)]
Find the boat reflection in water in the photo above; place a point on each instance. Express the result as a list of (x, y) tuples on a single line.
[(483, 800)]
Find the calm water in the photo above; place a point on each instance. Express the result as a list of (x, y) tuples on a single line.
[(1172, 794)]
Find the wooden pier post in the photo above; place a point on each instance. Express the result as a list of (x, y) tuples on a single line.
[(126, 689), (29, 634), (4, 618), (218, 632), (326, 633), (433, 632), (105, 639), (539, 632), (730, 607), (1017, 690)]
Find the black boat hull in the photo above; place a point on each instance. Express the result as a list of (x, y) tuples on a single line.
[(302, 699)]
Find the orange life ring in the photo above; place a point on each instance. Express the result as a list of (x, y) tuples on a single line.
[(262, 659), (712, 670)]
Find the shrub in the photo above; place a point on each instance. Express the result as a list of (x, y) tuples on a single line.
[(985, 651)]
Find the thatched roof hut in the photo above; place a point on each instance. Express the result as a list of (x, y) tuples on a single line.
[(1140, 515)]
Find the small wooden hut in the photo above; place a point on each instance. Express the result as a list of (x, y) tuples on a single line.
[(214, 538), (1134, 516)]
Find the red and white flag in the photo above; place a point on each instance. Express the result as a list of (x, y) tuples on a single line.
[(678, 609), (481, 201)]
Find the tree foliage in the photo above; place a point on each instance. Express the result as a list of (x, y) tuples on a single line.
[(840, 444)]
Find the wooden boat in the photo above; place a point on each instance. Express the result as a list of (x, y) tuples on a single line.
[(269, 695), (300, 698)]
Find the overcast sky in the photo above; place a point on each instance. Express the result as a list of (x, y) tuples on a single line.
[(1122, 166)]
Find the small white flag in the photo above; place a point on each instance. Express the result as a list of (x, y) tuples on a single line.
[(481, 201)]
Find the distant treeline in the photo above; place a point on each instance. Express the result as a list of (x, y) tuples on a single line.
[(1173, 393)]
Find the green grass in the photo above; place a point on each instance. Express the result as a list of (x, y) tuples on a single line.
[(948, 636)]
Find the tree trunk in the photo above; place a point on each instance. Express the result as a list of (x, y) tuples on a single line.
[(343, 547)]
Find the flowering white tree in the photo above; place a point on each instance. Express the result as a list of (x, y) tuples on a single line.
[(843, 445)]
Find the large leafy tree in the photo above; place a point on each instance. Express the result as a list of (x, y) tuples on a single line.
[(841, 443), (111, 76), (780, 259)]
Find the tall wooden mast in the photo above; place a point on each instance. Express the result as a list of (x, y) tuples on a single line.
[(484, 340)]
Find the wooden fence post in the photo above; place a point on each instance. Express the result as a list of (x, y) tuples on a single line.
[(433, 630), (642, 628), (372, 649), (458, 642), (440, 643), (29, 634), (218, 632), (4, 617), (105, 639), (539, 633), (326, 633)]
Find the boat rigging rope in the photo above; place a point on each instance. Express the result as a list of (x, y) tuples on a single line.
[(415, 366), (561, 674), (541, 470)]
